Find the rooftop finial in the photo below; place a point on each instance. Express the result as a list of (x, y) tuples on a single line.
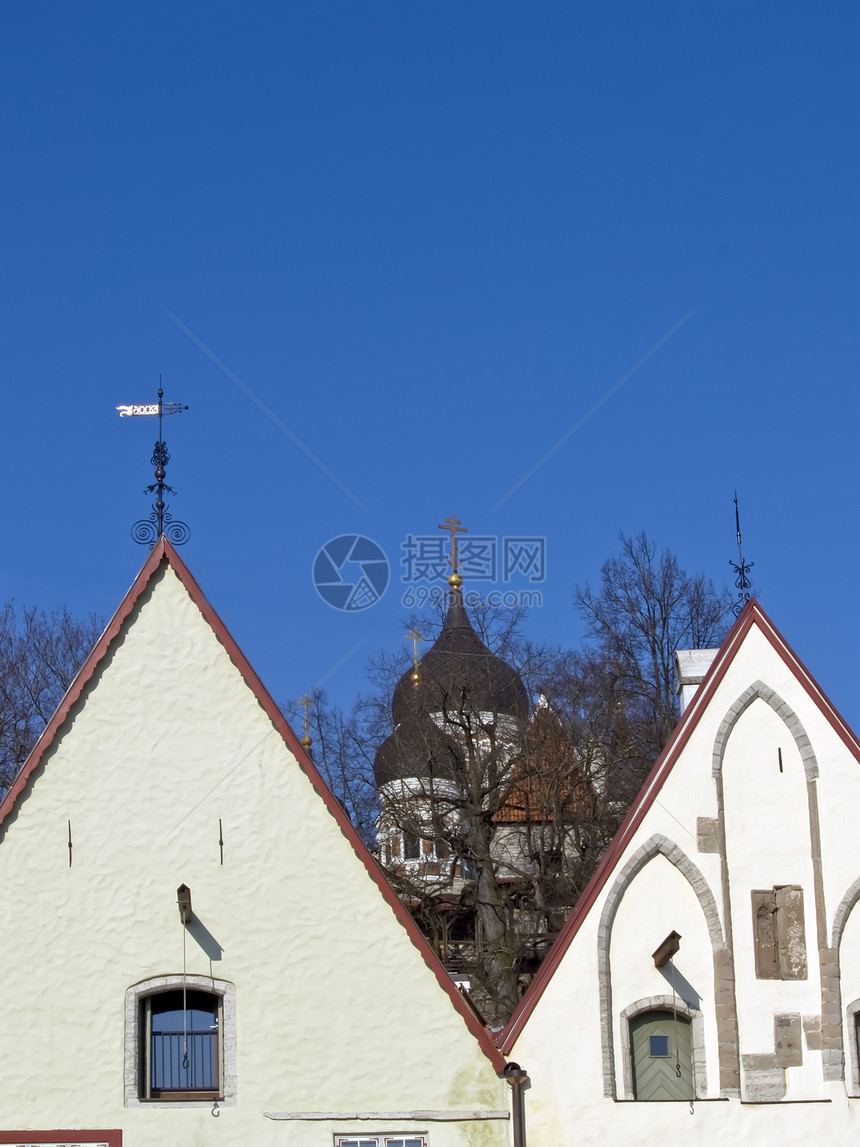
[(454, 526), (306, 702), (414, 636), (741, 568), (147, 531)]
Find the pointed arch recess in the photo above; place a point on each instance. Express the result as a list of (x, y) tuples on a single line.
[(846, 906), (658, 845), (759, 691), (828, 957)]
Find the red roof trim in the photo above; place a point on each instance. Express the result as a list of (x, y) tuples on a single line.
[(86, 671), (83, 1138), (163, 552), (751, 615)]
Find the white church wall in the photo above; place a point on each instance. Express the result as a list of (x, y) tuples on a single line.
[(725, 778)]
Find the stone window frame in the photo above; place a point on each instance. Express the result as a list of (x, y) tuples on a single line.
[(697, 1040), (134, 1059), (852, 1079), (386, 1139)]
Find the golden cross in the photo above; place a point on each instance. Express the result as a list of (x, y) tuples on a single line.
[(306, 702), (454, 526), (414, 636)]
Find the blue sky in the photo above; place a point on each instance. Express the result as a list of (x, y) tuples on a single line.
[(429, 238)]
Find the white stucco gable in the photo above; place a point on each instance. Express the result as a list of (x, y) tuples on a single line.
[(741, 841), (169, 764)]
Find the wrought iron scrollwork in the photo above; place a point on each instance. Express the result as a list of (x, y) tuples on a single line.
[(741, 568), (145, 531), (742, 583), (160, 457), (177, 533)]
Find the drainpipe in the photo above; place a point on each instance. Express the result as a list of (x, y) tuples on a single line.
[(517, 1077)]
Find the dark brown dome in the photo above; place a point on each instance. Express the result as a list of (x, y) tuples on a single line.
[(460, 674), (417, 749)]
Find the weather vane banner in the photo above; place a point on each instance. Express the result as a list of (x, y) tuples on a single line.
[(151, 408)]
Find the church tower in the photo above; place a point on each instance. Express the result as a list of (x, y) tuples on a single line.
[(459, 714)]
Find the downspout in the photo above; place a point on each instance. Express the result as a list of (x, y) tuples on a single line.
[(517, 1077)]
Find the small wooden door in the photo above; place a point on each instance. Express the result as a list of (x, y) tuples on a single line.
[(662, 1057)]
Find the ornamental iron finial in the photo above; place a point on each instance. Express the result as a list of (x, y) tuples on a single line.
[(454, 526), (741, 568), (147, 531)]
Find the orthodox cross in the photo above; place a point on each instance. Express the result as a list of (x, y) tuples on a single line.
[(306, 702), (414, 636), (147, 531), (741, 568), (454, 526)]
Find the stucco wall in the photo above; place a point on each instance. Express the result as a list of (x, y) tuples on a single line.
[(335, 1008)]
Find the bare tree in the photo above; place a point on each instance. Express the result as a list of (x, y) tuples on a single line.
[(40, 654), (488, 821), (646, 607)]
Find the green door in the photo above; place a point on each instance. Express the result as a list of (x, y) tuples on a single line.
[(662, 1060)]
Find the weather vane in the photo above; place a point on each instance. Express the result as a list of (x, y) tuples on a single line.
[(454, 527), (147, 531), (741, 568)]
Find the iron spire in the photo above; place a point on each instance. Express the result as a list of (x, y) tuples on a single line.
[(147, 531), (741, 568)]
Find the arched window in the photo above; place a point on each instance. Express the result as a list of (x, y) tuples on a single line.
[(661, 1050), (180, 1041), (180, 1045)]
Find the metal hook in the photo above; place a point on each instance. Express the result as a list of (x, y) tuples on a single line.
[(216, 1111), (692, 1111)]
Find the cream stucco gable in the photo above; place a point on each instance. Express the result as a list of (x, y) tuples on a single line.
[(169, 765), (741, 842)]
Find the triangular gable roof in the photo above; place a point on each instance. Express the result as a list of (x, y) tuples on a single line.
[(163, 553), (752, 616)]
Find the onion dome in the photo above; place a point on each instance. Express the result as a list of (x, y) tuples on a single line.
[(419, 750), (460, 674)]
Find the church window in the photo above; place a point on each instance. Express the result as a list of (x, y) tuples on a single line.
[(411, 846), (659, 1045), (778, 933)]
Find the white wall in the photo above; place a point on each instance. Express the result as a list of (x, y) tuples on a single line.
[(336, 1009)]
